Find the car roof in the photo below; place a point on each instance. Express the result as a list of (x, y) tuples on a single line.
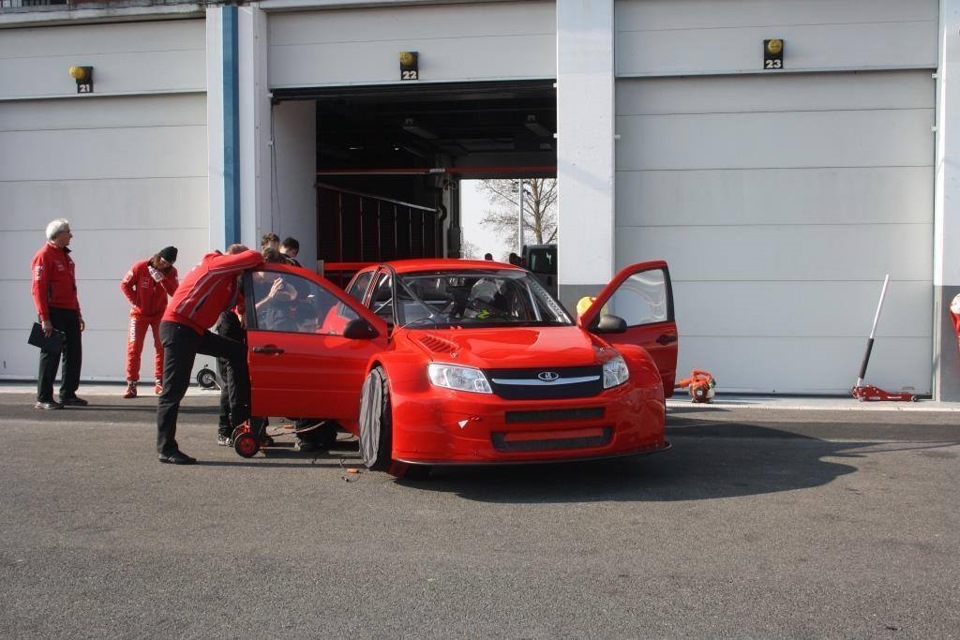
[(447, 264)]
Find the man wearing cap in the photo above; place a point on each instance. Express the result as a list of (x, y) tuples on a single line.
[(147, 285), (54, 290)]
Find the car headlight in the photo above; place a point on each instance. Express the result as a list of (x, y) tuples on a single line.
[(458, 378), (615, 372)]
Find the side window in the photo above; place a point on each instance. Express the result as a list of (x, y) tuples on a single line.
[(336, 319), (641, 299), (381, 302), (290, 303), (359, 285)]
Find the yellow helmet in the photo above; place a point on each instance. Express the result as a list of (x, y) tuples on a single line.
[(584, 303)]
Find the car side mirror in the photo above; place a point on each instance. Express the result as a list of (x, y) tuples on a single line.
[(611, 324), (360, 329)]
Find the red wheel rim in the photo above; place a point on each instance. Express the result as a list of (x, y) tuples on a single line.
[(246, 446)]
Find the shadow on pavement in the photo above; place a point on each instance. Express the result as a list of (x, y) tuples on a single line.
[(706, 462), (283, 454), (115, 410), (300, 460)]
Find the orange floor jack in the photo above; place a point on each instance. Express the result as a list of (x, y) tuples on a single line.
[(701, 385), (867, 392)]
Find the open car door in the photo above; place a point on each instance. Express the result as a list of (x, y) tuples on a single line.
[(641, 294), (308, 344)]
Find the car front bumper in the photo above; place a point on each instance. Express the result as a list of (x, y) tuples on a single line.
[(449, 427)]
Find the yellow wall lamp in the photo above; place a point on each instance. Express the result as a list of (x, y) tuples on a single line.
[(409, 65), (773, 54), (84, 78)]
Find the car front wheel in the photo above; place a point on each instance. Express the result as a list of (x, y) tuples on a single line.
[(376, 421)]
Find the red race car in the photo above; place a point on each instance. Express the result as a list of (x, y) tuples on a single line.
[(455, 362)]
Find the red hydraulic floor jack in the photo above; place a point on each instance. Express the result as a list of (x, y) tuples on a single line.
[(864, 392)]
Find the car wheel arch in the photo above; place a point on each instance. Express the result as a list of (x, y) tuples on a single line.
[(639, 362), (395, 366)]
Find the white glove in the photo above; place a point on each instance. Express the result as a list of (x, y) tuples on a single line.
[(155, 273)]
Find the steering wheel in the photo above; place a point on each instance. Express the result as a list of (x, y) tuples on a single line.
[(456, 306), (485, 309)]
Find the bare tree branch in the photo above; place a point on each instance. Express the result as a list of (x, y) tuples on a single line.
[(470, 250), (539, 209)]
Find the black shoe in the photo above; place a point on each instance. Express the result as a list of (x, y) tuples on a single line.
[(48, 406), (73, 402), (305, 445), (177, 457)]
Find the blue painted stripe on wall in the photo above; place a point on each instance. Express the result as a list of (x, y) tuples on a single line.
[(231, 127)]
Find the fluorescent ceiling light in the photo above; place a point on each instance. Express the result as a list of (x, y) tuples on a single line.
[(537, 128), (411, 126)]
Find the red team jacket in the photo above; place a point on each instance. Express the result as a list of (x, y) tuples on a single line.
[(209, 289), (54, 280), (148, 297)]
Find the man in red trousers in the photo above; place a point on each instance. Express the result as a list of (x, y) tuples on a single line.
[(208, 289), (147, 285)]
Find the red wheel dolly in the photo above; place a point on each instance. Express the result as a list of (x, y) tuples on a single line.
[(867, 392), (701, 385), (253, 435)]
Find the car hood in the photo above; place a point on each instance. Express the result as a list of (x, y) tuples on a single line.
[(509, 347)]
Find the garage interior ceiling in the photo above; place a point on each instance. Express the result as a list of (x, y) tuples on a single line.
[(484, 126)]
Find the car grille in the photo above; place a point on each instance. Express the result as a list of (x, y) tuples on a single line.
[(551, 440), (554, 415), (529, 384)]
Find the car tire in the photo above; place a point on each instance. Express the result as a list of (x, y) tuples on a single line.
[(376, 421)]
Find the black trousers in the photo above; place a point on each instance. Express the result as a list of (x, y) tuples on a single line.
[(228, 326), (68, 321), (181, 344)]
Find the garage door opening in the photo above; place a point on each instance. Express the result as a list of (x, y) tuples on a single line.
[(390, 161), (504, 216)]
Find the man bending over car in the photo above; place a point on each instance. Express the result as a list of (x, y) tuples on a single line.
[(210, 288)]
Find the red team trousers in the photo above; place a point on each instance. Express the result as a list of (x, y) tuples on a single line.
[(135, 336)]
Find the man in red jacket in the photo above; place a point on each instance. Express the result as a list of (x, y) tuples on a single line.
[(147, 285), (54, 290), (208, 289)]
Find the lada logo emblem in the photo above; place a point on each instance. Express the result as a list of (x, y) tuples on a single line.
[(548, 376)]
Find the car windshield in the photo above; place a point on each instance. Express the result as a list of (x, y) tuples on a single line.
[(470, 298)]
